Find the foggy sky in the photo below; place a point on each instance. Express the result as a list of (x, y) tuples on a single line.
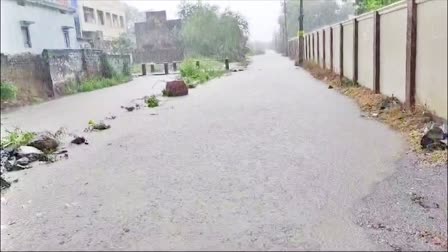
[(261, 14)]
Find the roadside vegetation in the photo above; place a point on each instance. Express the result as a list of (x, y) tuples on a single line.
[(152, 101), (16, 138), (388, 110), (98, 83), (208, 69), (8, 92)]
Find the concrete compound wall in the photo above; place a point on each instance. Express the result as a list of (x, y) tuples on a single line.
[(118, 62), (71, 67), (393, 52), (348, 50), (365, 52), (51, 73), (64, 66), (431, 69), (336, 53), (431, 52), (29, 73), (321, 48), (327, 48)]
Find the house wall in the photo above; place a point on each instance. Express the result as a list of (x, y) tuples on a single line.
[(45, 33), (106, 6)]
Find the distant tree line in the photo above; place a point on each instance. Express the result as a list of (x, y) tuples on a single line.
[(319, 13)]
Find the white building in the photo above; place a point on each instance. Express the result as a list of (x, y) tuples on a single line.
[(35, 25), (106, 17)]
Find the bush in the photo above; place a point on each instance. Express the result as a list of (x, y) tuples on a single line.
[(8, 91), (17, 138), (207, 70), (152, 101)]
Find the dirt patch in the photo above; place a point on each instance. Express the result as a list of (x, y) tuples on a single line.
[(388, 110)]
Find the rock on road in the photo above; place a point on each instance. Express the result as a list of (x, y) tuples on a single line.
[(265, 159)]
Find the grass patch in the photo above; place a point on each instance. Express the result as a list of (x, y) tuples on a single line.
[(17, 138), (207, 70), (8, 92), (152, 101), (98, 83), (409, 122)]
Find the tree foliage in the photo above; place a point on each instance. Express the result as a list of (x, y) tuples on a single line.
[(122, 45), (363, 6), (317, 13), (208, 32)]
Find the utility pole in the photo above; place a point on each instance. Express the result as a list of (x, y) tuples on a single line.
[(301, 33), (285, 29)]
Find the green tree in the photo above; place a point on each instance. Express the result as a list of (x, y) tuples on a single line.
[(122, 45), (210, 33)]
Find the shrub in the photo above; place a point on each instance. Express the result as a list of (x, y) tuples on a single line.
[(207, 70), (8, 91), (17, 138), (152, 101), (107, 70)]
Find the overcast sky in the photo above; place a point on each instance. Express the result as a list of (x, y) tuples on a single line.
[(261, 14)]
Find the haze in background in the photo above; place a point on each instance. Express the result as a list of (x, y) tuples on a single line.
[(262, 15)]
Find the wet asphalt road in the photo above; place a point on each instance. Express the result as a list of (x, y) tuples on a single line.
[(265, 159)]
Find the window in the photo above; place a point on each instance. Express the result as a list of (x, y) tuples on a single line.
[(26, 36), (121, 22), (89, 15), (100, 15), (66, 33), (108, 19), (115, 20)]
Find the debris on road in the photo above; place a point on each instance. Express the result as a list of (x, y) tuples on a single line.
[(96, 126), (31, 153), (434, 138), (330, 87), (4, 184), (129, 109), (175, 88), (45, 144), (79, 140), (112, 117), (423, 202), (389, 103), (13, 165)]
